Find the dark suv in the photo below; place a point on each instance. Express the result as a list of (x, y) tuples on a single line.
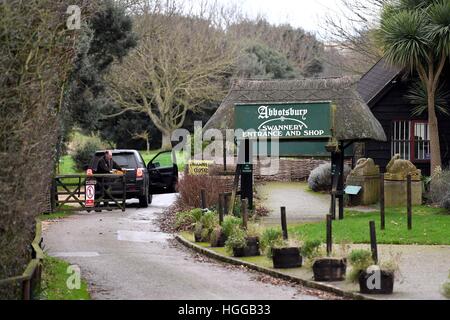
[(159, 176)]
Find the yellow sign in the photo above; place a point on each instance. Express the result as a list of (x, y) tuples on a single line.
[(199, 167)]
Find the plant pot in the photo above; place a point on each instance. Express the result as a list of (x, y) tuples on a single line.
[(329, 269), (218, 241), (286, 258), (251, 250), (197, 237), (386, 284)]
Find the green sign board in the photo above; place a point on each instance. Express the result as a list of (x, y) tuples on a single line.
[(306, 120)]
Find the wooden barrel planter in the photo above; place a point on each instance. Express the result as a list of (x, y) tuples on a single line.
[(329, 269), (284, 258), (386, 282), (218, 241), (251, 250)]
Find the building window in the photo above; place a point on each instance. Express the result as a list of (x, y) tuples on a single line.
[(411, 139)]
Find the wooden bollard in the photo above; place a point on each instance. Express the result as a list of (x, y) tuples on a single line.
[(284, 223), (373, 241), (203, 199), (244, 213), (382, 208), (329, 234), (409, 201), (220, 207)]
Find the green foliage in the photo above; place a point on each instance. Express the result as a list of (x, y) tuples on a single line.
[(311, 249), (229, 223), (417, 95), (236, 239), (186, 220), (446, 289), (261, 61), (269, 238), (107, 37), (440, 188), (83, 155), (54, 277), (360, 260)]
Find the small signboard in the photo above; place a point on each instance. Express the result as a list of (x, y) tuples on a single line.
[(247, 168), (352, 190), (90, 195), (199, 167)]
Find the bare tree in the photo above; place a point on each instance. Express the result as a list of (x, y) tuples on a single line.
[(349, 30), (144, 135), (179, 65)]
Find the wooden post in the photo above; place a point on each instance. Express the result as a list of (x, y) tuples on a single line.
[(382, 209), (284, 223), (225, 203), (329, 235), (203, 198), (244, 213), (220, 207), (373, 241), (409, 201), (224, 154), (340, 187), (26, 288)]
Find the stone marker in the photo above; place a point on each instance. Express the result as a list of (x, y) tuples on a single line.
[(366, 175), (395, 184)]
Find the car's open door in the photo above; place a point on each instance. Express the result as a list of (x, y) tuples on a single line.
[(163, 173)]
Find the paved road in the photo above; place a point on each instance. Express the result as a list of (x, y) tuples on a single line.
[(125, 256)]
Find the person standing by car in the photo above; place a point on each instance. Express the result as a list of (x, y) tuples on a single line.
[(106, 163)]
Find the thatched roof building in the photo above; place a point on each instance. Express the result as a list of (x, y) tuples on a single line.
[(354, 120)]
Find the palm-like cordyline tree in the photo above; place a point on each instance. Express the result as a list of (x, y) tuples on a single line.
[(415, 34)]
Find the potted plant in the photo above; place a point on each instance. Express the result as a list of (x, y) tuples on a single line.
[(203, 228), (326, 268), (284, 253), (372, 278), (217, 237), (243, 243)]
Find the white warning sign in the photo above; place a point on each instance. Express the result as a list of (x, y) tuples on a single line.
[(90, 196)]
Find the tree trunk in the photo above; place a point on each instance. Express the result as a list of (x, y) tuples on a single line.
[(434, 132), (166, 140)]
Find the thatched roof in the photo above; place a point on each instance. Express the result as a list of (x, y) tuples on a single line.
[(354, 120)]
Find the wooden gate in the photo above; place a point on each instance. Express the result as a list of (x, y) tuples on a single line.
[(69, 192)]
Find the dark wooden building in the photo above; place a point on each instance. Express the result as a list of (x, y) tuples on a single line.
[(385, 90)]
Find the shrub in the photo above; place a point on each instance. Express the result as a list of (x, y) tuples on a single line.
[(320, 178), (83, 154), (186, 220), (311, 249), (229, 222), (269, 238), (446, 289), (440, 188), (236, 239), (189, 188), (360, 260)]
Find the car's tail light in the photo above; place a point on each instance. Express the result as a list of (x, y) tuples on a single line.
[(89, 172), (139, 173)]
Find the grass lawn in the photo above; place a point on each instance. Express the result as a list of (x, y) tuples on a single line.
[(55, 215), (54, 278), (429, 226), (165, 158)]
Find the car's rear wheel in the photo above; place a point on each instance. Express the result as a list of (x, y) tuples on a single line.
[(143, 201)]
